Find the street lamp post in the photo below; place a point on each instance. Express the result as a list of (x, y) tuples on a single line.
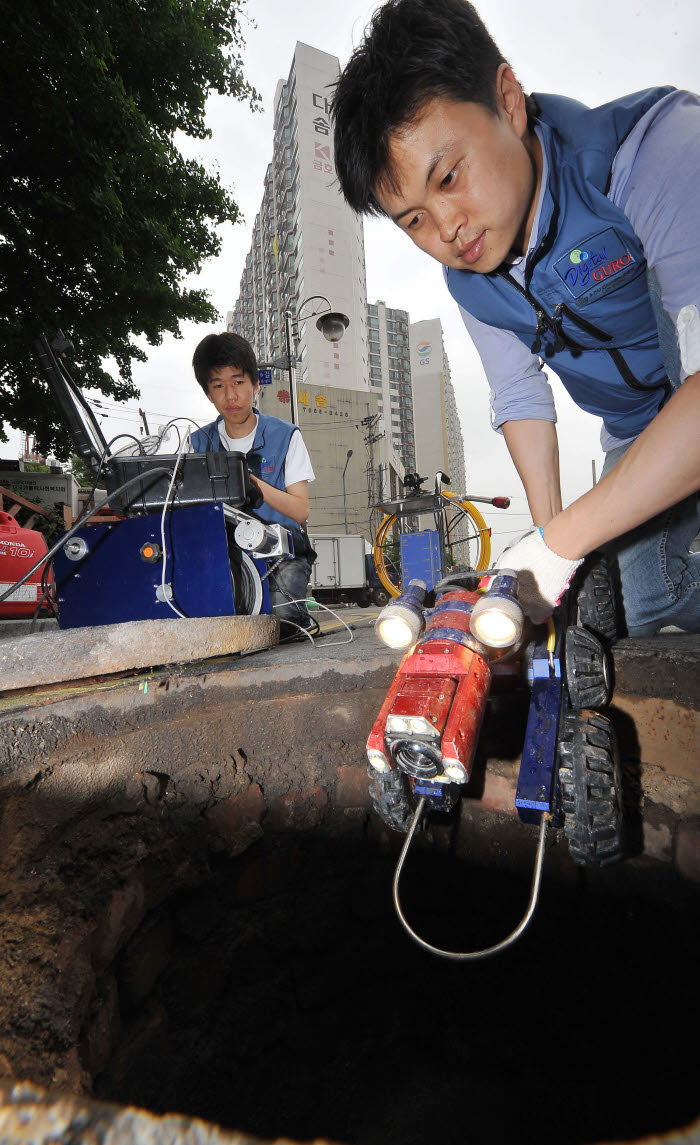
[(345, 504), (291, 365), (332, 325)]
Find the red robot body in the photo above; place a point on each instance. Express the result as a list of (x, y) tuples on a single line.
[(429, 724)]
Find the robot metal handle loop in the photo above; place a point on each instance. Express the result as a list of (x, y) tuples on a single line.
[(472, 955)]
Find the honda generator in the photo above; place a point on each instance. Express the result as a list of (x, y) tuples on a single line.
[(19, 550)]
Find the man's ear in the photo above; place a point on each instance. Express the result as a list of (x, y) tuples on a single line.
[(510, 100)]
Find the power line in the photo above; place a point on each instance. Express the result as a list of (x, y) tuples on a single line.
[(354, 493), (108, 410)]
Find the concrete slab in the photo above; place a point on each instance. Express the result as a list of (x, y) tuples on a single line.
[(53, 655)]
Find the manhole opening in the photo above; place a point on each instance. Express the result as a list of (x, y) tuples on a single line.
[(282, 998)]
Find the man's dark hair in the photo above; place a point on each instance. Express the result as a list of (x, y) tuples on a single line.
[(413, 51), (223, 350)]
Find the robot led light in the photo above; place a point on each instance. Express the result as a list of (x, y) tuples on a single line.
[(401, 621), (497, 618)]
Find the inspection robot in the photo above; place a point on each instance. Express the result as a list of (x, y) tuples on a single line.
[(458, 640)]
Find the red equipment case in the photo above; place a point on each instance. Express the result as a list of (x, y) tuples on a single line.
[(19, 550)]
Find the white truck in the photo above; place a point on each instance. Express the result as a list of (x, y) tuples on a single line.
[(344, 572)]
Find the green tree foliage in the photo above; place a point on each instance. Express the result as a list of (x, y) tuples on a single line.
[(82, 473), (101, 216)]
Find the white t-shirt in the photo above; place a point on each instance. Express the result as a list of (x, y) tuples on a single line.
[(297, 465)]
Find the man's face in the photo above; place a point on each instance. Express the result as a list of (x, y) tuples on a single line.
[(467, 179), (232, 392)]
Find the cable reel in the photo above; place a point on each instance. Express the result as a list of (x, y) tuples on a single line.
[(479, 532)]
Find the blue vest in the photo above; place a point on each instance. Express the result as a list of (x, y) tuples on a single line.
[(585, 304), (265, 460)]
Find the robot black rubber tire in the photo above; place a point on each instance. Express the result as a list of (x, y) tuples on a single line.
[(587, 669), (595, 598), (591, 788)]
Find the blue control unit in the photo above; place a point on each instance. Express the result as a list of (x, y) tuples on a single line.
[(112, 573), (421, 557)]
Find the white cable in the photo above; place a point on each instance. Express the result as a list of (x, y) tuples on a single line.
[(319, 604), (285, 604), (169, 602), (293, 624)]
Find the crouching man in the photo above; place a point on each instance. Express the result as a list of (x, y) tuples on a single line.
[(278, 461), (567, 232)]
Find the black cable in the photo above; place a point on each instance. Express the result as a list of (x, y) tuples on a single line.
[(81, 521), (46, 590), (39, 607), (164, 430), (166, 427), (173, 421), (131, 438), (99, 473)]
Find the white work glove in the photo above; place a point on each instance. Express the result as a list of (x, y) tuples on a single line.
[(543, 575)]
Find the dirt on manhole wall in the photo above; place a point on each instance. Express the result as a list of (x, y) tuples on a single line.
[(197, 920)]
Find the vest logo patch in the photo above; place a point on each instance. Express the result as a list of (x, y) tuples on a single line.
[(587, 269), (267, 466)]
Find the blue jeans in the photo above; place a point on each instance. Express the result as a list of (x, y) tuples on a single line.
[(660, 578), (288, 582)]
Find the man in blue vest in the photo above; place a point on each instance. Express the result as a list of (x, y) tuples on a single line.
[(568, 235), (278, 461)]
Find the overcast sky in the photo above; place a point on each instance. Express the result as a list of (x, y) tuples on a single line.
[(592, 50)]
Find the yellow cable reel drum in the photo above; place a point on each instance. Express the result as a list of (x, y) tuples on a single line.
[(479, 533)]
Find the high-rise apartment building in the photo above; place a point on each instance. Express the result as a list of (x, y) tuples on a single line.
[(438, 435), (378, 402), (390, 379), (456, 466), (306, 243)]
